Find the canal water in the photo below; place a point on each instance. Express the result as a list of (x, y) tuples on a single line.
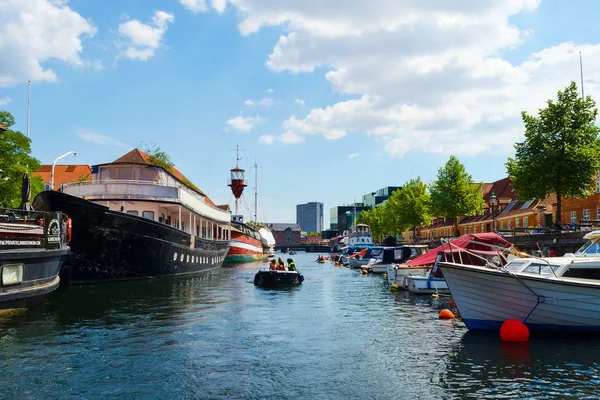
[(340, 335)]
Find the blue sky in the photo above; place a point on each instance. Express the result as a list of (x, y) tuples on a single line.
[(333, 99)]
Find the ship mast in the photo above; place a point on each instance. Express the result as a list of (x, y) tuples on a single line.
[(237, 183), (255, 192)]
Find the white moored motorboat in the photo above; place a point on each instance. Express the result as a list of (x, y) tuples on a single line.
[(552, 294)]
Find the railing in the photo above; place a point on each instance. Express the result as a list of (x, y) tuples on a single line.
[(150, 190)]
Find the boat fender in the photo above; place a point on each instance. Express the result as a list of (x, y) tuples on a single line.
[(69, 229), (384, 276), (394, 286)]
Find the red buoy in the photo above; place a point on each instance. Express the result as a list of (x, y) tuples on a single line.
[(514, 330), (446, 314)]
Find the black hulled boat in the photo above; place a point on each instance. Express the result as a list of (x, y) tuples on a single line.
[(274, 278), (32, 247), (137, 220)]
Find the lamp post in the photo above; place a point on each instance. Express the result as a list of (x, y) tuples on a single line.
[(493, 202), (54, 163)]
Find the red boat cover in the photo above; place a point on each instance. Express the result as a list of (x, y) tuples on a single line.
[(485, 240)]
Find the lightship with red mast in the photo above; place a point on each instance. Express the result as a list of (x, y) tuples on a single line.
[(246, 241)]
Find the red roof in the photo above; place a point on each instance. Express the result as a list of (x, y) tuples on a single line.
[(63, 173), (463, 242), (3, 128)]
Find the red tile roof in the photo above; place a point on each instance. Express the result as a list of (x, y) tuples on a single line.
[(3, 128), (137, 156), (63, 173)]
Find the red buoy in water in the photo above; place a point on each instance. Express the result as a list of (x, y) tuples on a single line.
[(446, 314), (514, 330)]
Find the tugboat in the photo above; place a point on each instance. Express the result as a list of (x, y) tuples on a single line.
[(137, 219), (32, 247)]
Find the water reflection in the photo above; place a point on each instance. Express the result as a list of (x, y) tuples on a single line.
[(481, 365)]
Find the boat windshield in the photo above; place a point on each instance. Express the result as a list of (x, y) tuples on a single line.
[(591, 247), (534, 268)]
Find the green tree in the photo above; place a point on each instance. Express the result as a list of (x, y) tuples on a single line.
[(412, 205), (14, 161), (454, 194), (158, 157), (374, 218), (561, 151)]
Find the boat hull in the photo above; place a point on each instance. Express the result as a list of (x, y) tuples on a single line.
[(270, 278), (398, 275), (485, 298), (244, 248), (41, 269), (112, 246), (426, 284)]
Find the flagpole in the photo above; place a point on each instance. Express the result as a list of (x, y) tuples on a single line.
[(28, 105), (581, 70)]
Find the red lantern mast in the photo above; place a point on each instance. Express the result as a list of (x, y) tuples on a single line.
[(237, 183)]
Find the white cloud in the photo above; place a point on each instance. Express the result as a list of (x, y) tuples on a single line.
[(249, 102), (197, 6), (267, 139), (244, 124), (299, 101), (34, 32), (266, 101), (290, 137), (427, 76), (144, 39), (98, 138), (353, 155), (4, 101), (270, 90)]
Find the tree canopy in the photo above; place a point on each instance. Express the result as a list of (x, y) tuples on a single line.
[(454, 194), (14, 161), (159, 157), (411, 205), (561, 150), (375, 218)]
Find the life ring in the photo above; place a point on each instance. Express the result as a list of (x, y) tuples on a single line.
[(69, 230)]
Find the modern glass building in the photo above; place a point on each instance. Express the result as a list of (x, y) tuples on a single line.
[(310, 216)]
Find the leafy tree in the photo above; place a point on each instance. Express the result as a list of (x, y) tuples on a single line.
[(158, 157), (561, 151), (14, 161), (412, 205), (454, 194), (84, 178), (374, 218)]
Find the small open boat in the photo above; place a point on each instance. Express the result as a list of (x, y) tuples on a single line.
[(270, 278)]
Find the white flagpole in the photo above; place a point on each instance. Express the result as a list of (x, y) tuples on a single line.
[(28, 105), (581, 70)]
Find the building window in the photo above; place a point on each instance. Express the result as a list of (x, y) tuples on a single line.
[(475, 229), (586, 215), (501, 225), (525, 222), (517, 223), (573, 217), (597, 214), (597, 183), (47, 186), (509, 225), (148, 214), (133, 212)]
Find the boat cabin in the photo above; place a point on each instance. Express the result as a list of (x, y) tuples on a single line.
[(396, 255), (134, 185), (360, 234)]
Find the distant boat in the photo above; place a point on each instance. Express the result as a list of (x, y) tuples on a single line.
[(138, 220)]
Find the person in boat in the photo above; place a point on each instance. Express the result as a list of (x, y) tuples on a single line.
[(280, 262), (291, 265), (281, 267), (272, 265), (319, 258)]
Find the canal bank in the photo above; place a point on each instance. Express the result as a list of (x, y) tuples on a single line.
[(216, 335)]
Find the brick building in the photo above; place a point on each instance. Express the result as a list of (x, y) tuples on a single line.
[(286, 233)]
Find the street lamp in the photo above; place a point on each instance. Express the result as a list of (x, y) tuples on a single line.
[(493, 202), (54, 163)]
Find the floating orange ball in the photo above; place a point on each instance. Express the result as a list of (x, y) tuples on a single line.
[(514, 330), (446, 314)]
